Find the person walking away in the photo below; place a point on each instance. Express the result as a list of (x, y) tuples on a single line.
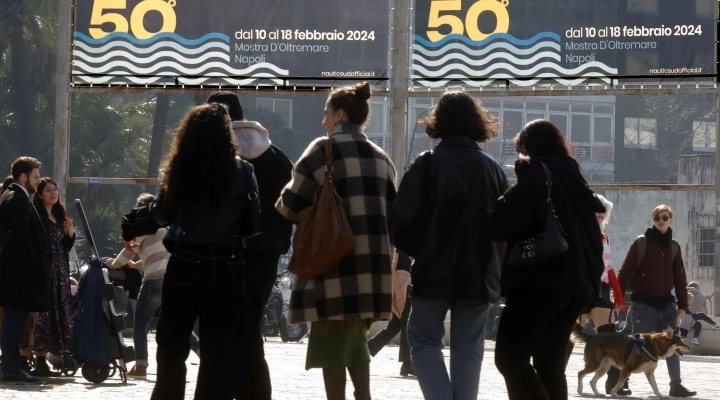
[(398, 323), (457, 184), (343, 302), (273, 171), (54, 329), (24, 265), (205, 275), (153, 261), (652, 268), (544, 299)]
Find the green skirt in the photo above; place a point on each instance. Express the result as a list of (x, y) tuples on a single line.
[(334, 344)]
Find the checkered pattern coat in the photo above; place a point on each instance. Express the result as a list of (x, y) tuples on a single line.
[(360, 286)]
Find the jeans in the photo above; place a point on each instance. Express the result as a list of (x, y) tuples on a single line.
[(252, 376), (535, 323), (148, 302), (648, 319), (12, 330), (209, 288), (467, 334), (395, 326)]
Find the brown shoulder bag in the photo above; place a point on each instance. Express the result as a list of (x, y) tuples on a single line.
[(323, 236)]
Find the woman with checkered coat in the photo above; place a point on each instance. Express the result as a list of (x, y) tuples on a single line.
[(343, 302)]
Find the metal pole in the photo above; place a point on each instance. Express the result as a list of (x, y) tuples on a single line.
[(62, 97), (716, 299), (400, 76)]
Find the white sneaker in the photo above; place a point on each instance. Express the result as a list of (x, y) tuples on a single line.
[(695, 342), (717, 326)]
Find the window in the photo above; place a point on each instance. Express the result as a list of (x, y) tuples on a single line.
[(281, 107), (512, 123), (561, 121), (640, 133), (376, 123), (603, 129), (704, 135), (580, 131), (705, 241)]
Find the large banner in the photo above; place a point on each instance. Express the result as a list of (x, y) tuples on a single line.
[(234, 42), (478, 42)]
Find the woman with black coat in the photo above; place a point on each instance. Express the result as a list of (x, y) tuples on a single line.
[(204, 200), (544, 299)]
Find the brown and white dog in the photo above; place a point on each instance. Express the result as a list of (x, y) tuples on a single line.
[(631, 354)]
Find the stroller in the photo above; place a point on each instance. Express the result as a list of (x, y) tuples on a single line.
[(97, 343)]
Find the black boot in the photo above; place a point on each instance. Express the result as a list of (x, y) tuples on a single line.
[(42, 369), (678, 390), (407, 369)]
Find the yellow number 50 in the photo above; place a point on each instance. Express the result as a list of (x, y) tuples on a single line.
[(497, 7), (99, 17)]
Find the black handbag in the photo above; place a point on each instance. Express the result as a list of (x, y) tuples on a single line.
[(251, 217), (549, 243), (410, 239)]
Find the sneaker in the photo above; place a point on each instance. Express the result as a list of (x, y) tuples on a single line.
[(678, 390), (695, 341), (137, 372)]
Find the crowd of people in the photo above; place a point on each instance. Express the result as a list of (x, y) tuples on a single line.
[(210, 241)]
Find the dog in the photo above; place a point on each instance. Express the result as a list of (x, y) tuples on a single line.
[(631, 354)]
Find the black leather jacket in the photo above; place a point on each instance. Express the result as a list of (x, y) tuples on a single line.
[(464, 182), (203, 224)]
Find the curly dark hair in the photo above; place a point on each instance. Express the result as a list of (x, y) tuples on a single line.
[(457, 114), (203, 152), (541, 138), (58, 209)]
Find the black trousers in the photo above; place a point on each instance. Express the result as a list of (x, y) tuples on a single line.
[(210, 289), (535, 324), (395, 326), (251, 376)]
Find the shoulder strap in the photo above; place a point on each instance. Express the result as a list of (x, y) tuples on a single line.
[(548, 180), (642, 244), (328, 152)]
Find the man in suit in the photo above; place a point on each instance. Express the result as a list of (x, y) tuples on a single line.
[(24, 265)]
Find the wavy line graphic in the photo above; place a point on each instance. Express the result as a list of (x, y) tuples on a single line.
[(426, 73), (478, 63), (157, 46), (481, 52), (522, 83), (498, 36), (160, 54), (186, 81), (180, 69), (164, 35)]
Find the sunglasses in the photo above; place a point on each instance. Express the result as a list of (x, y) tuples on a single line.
[(664, 218)]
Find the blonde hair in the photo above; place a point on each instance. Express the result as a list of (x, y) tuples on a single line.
[(608, 207), (662, 207)]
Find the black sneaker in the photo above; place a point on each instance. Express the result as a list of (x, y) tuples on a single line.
[(678, 390)]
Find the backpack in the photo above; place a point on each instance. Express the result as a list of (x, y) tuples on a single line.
[(642, 245)]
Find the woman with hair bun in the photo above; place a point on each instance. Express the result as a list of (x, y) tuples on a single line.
[(343, 302)]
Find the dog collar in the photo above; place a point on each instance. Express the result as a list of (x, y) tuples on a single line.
[(638, 342)]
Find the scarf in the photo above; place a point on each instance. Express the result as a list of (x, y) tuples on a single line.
[(663, 239)]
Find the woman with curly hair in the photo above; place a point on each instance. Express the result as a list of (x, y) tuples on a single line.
[(203, 200)]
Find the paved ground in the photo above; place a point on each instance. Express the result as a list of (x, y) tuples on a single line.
[(291, 381)]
